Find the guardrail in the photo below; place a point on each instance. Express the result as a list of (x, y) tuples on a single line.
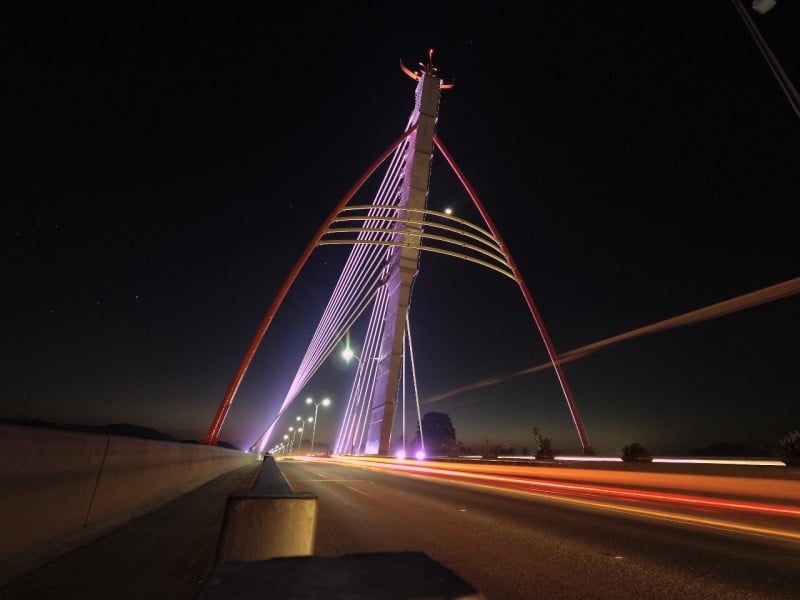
[(63, 488)]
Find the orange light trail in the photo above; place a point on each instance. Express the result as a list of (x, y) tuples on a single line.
[(790, 511), (558, 490)]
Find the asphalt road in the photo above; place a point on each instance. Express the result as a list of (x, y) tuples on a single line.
[(517, 545)]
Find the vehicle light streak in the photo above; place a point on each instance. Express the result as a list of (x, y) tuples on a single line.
[(655, 514), (720, 461), (561, 489), (771, 490), (699, 501), (682, 518)]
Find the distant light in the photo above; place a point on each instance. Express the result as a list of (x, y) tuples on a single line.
[(448, 211), (590, 458), (326, 401), (400, 454), (420, 454), (348, 354), (721, 461), (515, 457)]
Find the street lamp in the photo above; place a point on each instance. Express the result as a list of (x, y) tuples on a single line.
[(325, 402), (300, 429), (348, 354), (295, 431)]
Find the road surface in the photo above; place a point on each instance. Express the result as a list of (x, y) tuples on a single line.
[(524, 543)]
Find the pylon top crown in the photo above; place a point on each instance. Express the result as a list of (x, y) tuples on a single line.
[(425, 69)]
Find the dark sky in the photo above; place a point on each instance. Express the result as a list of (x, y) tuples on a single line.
[(164, 170)]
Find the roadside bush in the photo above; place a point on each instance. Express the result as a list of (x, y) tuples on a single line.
[(544, 446), (635, 451), (789, 448)]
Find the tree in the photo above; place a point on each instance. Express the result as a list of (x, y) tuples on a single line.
[(789, 448), (544, 446), (438, 434), (635, 451)]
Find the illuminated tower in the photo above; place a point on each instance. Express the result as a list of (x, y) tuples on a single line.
[(403, 263)]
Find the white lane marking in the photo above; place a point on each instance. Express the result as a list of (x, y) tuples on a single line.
[(360, 492)]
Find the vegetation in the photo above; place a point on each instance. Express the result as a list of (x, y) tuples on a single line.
[(462, 449), (789, 448), (544, 446), (504, 449), (438, 435), (635, 451)]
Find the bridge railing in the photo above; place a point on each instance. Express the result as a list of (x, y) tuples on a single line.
[(60, 489)]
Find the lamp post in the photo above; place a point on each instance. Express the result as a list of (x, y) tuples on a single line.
[(299, 421), (325, 402), (297, 430), (300, 429), (292, 435)]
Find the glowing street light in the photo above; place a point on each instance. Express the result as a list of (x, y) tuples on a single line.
[(325, 402), (348, 354)]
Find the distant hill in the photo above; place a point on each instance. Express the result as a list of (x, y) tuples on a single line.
[(118, 429)]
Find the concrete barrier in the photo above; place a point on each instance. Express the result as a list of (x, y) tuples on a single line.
[(268, 521), (59, 489)]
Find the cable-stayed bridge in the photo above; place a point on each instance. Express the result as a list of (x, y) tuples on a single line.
[(387, 238)]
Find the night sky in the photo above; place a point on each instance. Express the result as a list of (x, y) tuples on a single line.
[(163, 171)]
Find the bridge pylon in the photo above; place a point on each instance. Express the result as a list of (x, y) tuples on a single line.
[(402, 263)]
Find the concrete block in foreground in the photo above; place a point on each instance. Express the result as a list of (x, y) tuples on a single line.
[(258, 528), (268, 521), (384, 575)]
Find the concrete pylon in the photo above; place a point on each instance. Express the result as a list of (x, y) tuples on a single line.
[(403, 264)]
